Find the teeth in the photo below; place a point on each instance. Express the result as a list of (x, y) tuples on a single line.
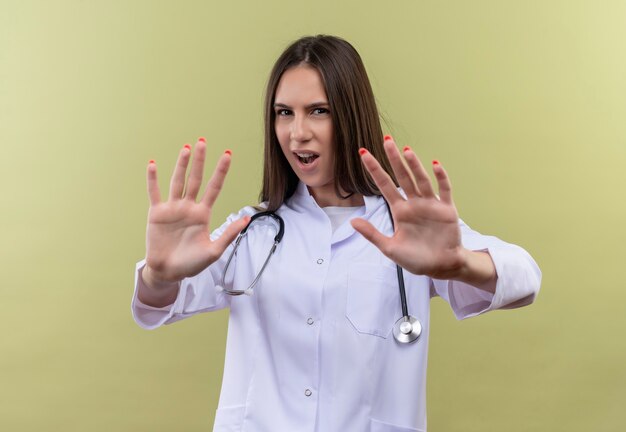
[(306, 158)]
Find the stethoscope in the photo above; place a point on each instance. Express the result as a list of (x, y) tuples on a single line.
[(407, 329), (242, 234)]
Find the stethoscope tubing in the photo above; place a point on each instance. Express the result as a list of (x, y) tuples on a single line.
[(242, 234), (407, 329)]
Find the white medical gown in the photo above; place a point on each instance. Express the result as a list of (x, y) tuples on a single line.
[(312, 349)]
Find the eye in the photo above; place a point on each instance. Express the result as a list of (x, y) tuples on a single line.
[(320, 111), (283, 112)]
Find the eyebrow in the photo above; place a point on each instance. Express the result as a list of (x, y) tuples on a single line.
[(309, 106)]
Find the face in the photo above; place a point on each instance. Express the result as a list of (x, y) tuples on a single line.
[(304, 129)]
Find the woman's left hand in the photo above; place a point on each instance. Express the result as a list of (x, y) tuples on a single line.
[(427, 237)]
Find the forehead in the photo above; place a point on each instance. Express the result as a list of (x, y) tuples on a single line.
[(300, 84)]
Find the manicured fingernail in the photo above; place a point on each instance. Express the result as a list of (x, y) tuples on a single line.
[(187, 146), (387, 137), (406, 148), (151, 161), (202, 139), (435, 162), (228, 152), (362, 151)]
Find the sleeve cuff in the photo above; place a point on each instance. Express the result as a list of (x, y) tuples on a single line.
[(149, 317), (517, 285), (197, 294)]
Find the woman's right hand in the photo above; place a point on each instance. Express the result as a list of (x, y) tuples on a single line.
[(177, 238)]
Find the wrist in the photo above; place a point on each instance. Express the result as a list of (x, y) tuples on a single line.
[(477, 270), (154, 282), (153, 292)]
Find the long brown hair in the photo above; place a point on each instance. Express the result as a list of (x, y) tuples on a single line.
[(353, 111)]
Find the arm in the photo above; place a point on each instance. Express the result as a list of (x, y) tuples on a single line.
[(178, 244), (154, 292), (194, 294), (429, 239), (517, 283), (477, 270)]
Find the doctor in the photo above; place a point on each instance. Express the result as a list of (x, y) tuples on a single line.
[(312, 349)]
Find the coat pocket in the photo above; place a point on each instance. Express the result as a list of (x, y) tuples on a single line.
[(373, 299), (229, 419), (379, 426)]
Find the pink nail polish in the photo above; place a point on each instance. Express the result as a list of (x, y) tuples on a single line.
[(387, 137), (406, 148), (435, 162), (202, 139), (228, 152), (187, 146), (151, 161), (362, 151)]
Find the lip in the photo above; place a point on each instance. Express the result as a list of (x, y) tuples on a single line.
[(304, 151), (308, 167)]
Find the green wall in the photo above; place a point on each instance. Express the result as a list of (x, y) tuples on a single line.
[(524, 103)]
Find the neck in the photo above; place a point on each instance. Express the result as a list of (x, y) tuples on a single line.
[(330, 199)]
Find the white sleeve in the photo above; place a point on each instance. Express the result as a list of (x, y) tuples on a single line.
[(518, 278), (196, 294)]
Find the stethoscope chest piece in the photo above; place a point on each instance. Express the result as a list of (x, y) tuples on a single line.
[(407, 329)]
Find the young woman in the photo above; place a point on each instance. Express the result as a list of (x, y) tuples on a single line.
[(326, 342)]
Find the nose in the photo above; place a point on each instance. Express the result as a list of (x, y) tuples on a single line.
[(300, 130)]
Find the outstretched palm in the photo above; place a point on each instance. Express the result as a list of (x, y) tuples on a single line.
[(177, 238), (427, 237)]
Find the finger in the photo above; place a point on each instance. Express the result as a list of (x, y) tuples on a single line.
[(153, 186), (229, 235), (197, 169), (402, 173), (374, 236), (214, 186), (421, 176), (177, 182), (384, 182), (445, 187)]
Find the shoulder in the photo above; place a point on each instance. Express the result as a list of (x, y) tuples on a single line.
[(249, 210), (243, 212)]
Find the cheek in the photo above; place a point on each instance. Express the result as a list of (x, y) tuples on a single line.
[(281, 136), (329, 139), (327, 132)]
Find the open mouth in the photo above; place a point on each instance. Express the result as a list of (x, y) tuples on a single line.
[(306, 158)]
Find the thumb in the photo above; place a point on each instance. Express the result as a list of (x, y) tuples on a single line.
[(229, 235), (368, 231)]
